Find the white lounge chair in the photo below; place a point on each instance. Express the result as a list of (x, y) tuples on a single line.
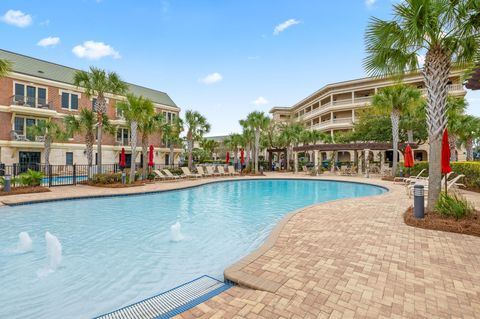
[(408, 180), (232, 171), (450, 184), (159, 175), (188, 174), (210, 171), (202, 172), (222, 172), (170, 175)]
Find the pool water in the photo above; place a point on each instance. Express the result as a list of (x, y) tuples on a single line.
[(119, 250)]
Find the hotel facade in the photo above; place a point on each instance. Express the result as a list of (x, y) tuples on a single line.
[(334, 108), (37, 90)]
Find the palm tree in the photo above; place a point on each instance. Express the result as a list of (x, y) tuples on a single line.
[(197, 126), (171, 132), (257, 122), (86, 123), (150, 123), (248, 139), (312, 136), (134, 110), (233, 142), (209, 146), (291, 135), (469, 132), (396, 100), (5, 67), (50, 132), (447, 33), (456, 107), (97, 83)]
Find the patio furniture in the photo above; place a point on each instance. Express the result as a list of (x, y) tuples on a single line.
[(222, 172), (202, 172), (232, 171), (189, 174), (210, 171), (408, 180), (170, 175), (159, 176)]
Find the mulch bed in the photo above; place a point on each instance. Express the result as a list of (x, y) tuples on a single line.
[(118, 185), (470, 225), (25, 190)]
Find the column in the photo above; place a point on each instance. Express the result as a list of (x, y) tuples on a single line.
[(353, 97), (367, 162), (353, 116), (316, 155), (295, 162), (360, 161), (382, 161)]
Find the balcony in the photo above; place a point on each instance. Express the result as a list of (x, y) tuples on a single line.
[(450, 88), (21, 137), (38, 103), (333, 123), (122, 142)]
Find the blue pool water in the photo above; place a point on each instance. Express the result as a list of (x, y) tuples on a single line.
[(60, 180), (119, 250)]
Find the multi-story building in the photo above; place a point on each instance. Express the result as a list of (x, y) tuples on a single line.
[(37, 90), (334, 107)]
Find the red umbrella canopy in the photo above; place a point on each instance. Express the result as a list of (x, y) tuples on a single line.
[(123, 159), (228, 158), (445, 154), (408, 156), (150, 157), (242, 157)]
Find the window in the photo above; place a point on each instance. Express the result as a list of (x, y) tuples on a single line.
[(94, 104), (69, 158), (69, 101), (123, 136), (30, 95), (21, 125), (169, 116)]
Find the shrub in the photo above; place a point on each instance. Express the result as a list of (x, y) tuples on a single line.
[(453, 205), (107, 178), (30, 178)]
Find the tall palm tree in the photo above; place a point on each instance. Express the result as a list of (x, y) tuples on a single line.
[(312, 136), (447, 33), (257, 122), (469, 132), (134, 110), (50, 132), (456, 107), (149, 125), (233, 142), (248, 140), (97, 83), (5, 67), (396, 100), (209, 146), (171, 134), (291, 135), (197, 126)]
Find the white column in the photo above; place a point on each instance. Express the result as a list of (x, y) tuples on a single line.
[(367, 163), (295, 162), (382, 161), (360, 162), (316, 154), (353, 97), (353, 116)]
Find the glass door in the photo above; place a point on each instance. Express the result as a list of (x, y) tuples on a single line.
[(31, 95)]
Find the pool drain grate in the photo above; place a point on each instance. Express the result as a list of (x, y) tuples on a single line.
[(171, 302)]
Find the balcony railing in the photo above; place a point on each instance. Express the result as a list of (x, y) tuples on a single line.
[(123, 142), (39, 103), (21, 137)]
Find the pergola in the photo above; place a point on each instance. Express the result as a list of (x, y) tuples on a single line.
[(473, 83), (275, 150)]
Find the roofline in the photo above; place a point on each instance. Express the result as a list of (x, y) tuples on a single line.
[(68, 67)]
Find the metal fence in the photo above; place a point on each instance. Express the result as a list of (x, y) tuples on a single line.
[(62, 175)]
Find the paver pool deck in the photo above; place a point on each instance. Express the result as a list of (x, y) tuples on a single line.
[(352, 258)]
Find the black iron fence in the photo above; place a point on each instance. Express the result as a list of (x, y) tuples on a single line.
[(62, 175)]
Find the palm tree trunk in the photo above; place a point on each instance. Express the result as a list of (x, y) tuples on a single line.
[(410, 136), (469, 149), (145, 155), (190, 150), (48, 147), (452, 141), (133, 142), (257, 146), (171, 160), (436, 71), (89, 140), (101, 109), (395, 117)]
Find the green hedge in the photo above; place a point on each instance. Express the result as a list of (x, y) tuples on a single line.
[(471, 170)]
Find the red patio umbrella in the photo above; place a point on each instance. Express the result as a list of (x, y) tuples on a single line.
[(445, 157), (228, 158), (408, 158), (242, 157), (150, 157), (123, 159)]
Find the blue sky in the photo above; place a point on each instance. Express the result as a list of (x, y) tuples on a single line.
[(223, 58)]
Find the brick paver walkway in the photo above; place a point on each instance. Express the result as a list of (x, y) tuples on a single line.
[(342, 259), (356, 258)]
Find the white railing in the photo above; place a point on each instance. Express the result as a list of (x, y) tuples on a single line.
[(450, 88), (365, 99), (342, 120), (342, 102)]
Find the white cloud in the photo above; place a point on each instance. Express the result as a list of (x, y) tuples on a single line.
[(45, 23), (49, 41), (17, 18), (212, 78), (284, 25), (370, 3), (95, 50), (260, 101)]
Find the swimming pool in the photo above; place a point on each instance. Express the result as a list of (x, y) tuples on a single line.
[(118, 250)]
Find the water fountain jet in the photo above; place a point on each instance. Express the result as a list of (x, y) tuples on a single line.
[(24, 242), (176, 232)]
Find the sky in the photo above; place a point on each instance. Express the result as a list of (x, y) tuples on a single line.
[(223, 58)]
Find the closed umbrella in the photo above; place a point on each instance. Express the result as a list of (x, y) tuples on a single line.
[(242, 157), (150, 157), (445, 157), (123, 159), (408, 158), (227, 160)]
